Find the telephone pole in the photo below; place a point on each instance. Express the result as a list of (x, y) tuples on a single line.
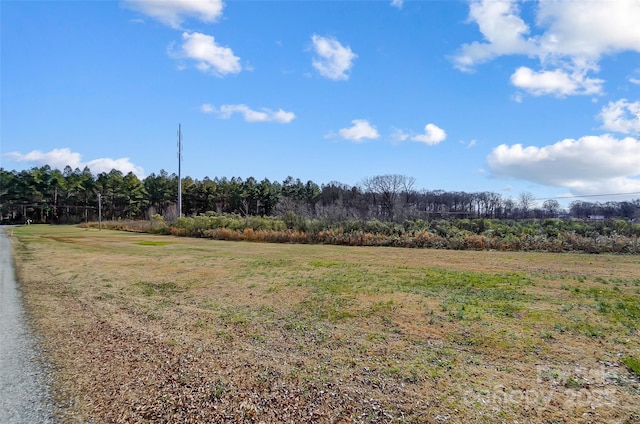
[(99, 211), (179, 171)]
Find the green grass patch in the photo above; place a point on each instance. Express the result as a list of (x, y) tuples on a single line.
[(632, 363), (152, 243), (326, 264), (465, 295), (328, 306), (618, 307), (159, 289)]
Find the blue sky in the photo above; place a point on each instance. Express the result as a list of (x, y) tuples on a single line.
[(503, 96)]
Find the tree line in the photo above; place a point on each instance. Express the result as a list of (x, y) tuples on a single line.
[(48, 195)]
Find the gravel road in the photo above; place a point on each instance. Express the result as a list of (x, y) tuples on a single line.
[(24, 381)]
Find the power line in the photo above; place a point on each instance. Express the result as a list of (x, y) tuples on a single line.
[(589, 195)]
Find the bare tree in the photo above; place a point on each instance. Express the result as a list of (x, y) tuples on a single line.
[(551, 208), (386, 191), (526, 203)]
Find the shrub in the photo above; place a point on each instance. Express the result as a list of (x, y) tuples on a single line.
[(474, 242)]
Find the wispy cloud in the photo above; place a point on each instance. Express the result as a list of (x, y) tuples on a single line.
[(60, 158), (174, 12), (470, 144), (398, 136), (250, 115), (621, 116), (333, 60)]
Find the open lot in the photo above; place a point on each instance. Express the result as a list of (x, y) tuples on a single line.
[(144, 328)]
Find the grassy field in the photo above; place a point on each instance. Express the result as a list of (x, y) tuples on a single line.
[(145, 328)]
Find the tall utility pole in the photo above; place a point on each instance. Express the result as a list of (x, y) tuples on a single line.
[(99, 211), (179, 171)]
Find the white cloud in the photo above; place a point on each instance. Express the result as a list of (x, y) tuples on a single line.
[(360, 130), (333, 59), (621, 116), (557, 82), (121, 164), (250, 115), (501, 27), (173, 12), (397, 3), (588, 165), (571, 38), (207, 108), (210, 57), (59, 158), (634, 78), (589, 29), (432, 135)]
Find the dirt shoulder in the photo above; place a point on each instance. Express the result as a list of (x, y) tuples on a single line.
[(24, 378)]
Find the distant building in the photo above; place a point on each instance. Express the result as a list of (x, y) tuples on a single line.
[(595, 217)]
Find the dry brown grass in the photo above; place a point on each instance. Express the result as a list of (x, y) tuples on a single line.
[(147, 328)]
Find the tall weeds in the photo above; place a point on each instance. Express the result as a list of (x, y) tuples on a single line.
[(557, 236)]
